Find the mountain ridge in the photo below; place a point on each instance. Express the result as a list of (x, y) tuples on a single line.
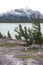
[(20, 16)]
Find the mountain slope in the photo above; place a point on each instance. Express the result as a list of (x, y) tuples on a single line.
[(20, 16)]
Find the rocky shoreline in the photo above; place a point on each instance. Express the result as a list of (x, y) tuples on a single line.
[(7, 57)]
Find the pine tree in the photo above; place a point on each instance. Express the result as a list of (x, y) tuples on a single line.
[(37, 35), (8, 35), (1, 36), (24, 33)]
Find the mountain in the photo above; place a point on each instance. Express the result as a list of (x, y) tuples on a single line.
[(20, 16)]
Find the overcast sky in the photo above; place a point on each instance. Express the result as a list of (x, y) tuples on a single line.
[(6, 5)]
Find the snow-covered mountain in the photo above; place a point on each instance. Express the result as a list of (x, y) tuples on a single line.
[(19, 15)]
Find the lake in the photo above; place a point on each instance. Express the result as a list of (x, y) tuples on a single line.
[(4, 27)]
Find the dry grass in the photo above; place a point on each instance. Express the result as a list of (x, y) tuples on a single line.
[(7, 45), (25, 56)]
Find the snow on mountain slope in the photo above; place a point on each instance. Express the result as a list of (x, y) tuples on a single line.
[(19, 15), (23, 12)]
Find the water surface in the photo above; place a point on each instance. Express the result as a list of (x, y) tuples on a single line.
[(4, 27)]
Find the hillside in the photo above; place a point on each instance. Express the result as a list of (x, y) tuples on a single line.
[(20, 16)]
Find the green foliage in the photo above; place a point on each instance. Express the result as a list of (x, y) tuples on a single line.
[(37, 35), (9, 36), (31, 36), (18, 37), (1, 36), (24, 33), (4, 37)]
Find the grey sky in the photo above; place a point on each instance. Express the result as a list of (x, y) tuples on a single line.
[(6, 5)]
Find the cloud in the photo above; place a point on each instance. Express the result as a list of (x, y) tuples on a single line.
[(6, 5)]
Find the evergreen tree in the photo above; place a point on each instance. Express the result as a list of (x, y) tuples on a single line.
[(8, 35), (37, 35), (30, 36), (24, 33), (4, 37), (1, 36)]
